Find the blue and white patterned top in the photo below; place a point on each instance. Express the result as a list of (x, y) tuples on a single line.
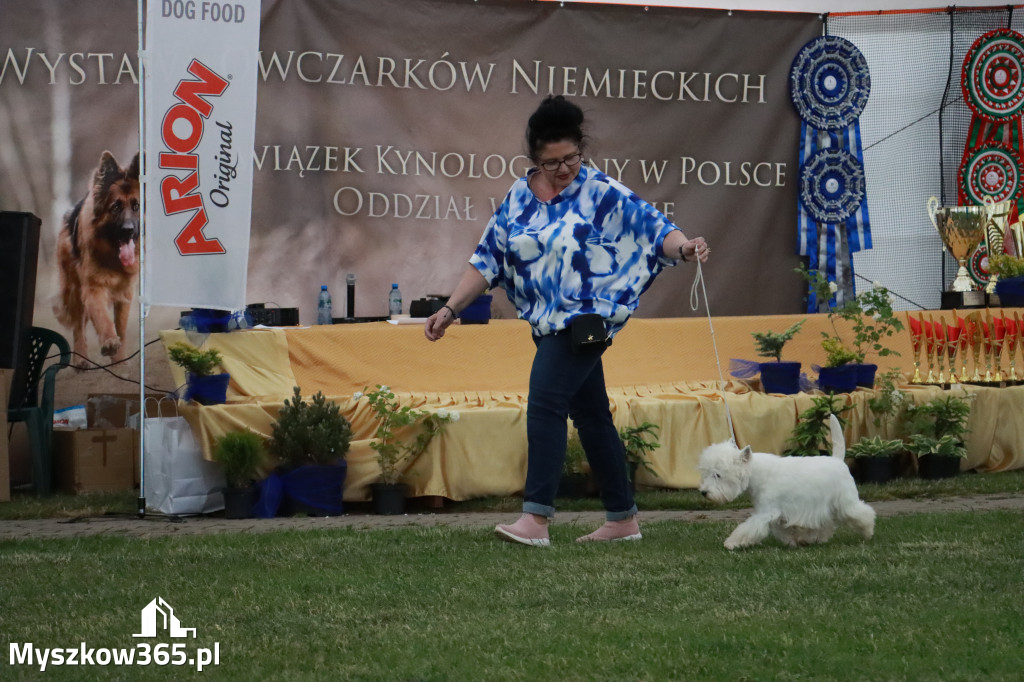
[(594, 248)]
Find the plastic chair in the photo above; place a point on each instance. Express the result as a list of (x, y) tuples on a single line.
[(37, 410)]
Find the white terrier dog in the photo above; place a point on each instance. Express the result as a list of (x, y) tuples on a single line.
[(799, 500)]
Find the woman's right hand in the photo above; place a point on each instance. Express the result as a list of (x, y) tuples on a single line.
[(437, 323)]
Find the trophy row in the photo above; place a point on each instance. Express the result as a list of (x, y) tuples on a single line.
[(964, 228), (983, 338)]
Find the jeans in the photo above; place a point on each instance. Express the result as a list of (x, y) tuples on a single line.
[(566, 384)]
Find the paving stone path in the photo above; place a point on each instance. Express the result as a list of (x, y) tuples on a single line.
[(160, 526)]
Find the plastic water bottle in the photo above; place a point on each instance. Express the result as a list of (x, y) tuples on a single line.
[(324, 315), (395, 301)]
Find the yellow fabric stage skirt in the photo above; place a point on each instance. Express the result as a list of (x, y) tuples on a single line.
[(662, 371)]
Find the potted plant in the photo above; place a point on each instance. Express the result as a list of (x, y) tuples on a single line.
[(240, 453), (1008, 272), (810, 435), (201, 384), (936, 427), (888, 407), (575, 482), (310, 440), (393, 452), (635, 440), (937, 457), (777, 377), (889, 404), (840, 373), (875, 458), (872, 319)]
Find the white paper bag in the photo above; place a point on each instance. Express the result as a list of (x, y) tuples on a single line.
[(178, 479)]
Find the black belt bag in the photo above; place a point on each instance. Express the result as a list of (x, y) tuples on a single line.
[(588, 332)]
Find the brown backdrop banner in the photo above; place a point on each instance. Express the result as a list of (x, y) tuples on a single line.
[(388, 130)]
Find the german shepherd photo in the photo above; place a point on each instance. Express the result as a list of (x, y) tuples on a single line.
[(98, 260)]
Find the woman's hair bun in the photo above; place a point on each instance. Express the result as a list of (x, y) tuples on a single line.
[(555, 119)]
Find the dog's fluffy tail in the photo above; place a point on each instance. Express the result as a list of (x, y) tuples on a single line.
[(838, 441)]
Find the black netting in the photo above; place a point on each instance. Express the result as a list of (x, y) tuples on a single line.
[(914, 128)]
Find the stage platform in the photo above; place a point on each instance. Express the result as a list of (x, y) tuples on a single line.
[(663, 371)]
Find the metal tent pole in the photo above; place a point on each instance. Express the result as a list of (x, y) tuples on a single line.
[(143, 306)]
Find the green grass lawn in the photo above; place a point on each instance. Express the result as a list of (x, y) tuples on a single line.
[(932, 597), (25, 505)]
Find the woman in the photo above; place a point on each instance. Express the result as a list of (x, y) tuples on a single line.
[(568, 241)]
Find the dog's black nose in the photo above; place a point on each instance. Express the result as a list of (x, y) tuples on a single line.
[(704, 493)]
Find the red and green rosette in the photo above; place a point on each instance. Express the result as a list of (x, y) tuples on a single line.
[(992, 165)]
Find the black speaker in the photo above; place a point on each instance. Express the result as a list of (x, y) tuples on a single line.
[(19, 250)]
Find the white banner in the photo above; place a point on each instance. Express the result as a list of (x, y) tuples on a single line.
[(200, 103)]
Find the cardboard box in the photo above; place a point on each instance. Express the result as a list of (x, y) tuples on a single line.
[(112, 410), (94, 460)]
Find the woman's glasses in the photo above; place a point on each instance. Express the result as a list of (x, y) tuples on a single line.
[(554, 164)]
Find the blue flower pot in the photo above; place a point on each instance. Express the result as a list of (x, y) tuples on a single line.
[(314, 489), (780, 377), (866, 375), (477, 312), (207, 390), (1011, 292), (841, 379)]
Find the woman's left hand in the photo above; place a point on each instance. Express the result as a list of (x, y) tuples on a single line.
[(696, 247)]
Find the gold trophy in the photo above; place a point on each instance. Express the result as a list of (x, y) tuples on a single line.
[(964, 324), (940, 349), (952, 346), (962, 229), (996, 229), (987, 332), (916, 333), (974, 339), (1016, 238), (1013, 333), (998, 337), (930, 343)]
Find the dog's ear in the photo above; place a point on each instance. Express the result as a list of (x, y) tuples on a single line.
[(745, 454), (107, 172), (133, 169)]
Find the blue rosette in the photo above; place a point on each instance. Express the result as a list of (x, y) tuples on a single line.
[(830, 83), (832, 185)]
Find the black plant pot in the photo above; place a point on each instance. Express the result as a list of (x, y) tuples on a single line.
[(389, 498), (938, 466), (876, 469), (238, 502), (780, 377)]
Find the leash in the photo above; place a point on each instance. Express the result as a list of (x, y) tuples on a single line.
[(695, 291)]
